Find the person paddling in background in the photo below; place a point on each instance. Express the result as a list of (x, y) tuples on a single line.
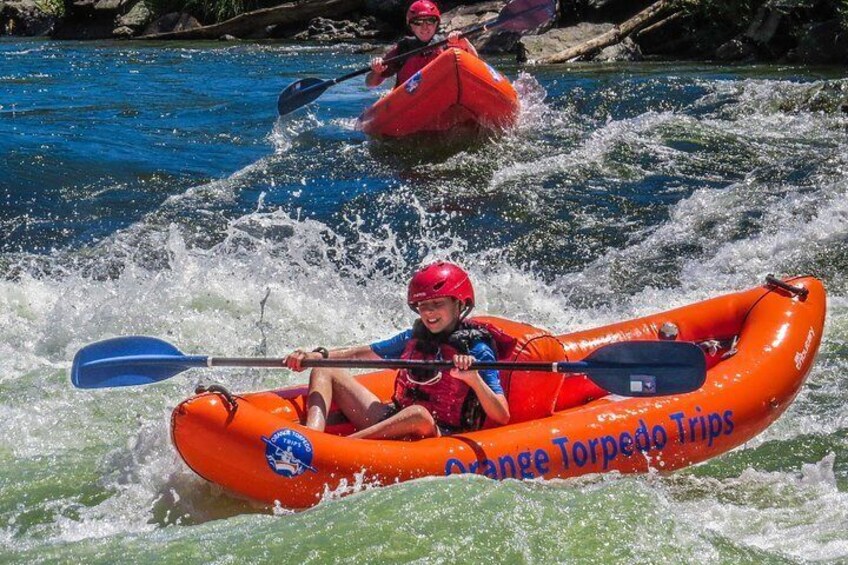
[(422, 18), (425, 404)]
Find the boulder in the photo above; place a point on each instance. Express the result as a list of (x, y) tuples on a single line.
[(471, 14), (796, 32), (822, 43), (765, 24), (779, 32), (91, 19), (499, 42), (25, 17), (626, 50), (736, 50), (556, 40), (137, 17), (325, 29), (463, 17), (107, 5), (771, 31), (174, 21), (123, 32)]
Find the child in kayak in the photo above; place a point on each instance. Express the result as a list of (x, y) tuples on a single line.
[(423, 18), (425, 404)]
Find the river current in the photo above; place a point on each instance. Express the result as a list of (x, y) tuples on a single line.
[(150, 189)]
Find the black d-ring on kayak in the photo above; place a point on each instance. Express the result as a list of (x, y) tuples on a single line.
[(222, 390)]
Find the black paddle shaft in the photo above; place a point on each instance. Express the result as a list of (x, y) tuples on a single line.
[(388, 364), (648, 368), (552, 366)]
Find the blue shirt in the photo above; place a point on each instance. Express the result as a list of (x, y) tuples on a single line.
[(393, 347)]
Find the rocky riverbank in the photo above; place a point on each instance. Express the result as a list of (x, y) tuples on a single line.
[(790, 31)]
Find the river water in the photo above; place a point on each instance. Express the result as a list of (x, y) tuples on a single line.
[(150, 189)]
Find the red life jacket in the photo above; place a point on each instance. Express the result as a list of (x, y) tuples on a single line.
[(451, 402), (408, 67), (414, 63)]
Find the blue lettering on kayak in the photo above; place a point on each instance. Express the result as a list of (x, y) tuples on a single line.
[(606, 449), (625, 444), (505, 461), (524, 465), (700, 427)]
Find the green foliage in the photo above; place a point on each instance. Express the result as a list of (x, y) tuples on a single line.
[(738, 14), (842, 10), (216, 10), (52, 7), (162, 7), (720, 13), (208, 11)]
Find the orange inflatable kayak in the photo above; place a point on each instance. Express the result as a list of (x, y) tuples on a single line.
[(760, 344), (455, 91)]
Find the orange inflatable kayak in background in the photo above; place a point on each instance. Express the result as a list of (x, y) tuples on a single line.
[(454, 91), (760, 345)]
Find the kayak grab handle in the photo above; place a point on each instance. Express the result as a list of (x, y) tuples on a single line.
[(798, 291), (220, 389)]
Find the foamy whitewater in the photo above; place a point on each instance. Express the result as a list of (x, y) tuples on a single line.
[(186, 212)]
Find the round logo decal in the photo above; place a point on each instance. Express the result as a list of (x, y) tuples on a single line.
[(413, 83), (288, 453)]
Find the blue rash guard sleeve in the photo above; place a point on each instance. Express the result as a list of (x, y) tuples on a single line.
[(393, 347), (491, 377)]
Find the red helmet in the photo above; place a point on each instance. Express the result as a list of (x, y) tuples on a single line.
[(422, 9), (440, 279)]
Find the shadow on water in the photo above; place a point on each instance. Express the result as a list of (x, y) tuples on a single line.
[(182, 504), (428, 148)]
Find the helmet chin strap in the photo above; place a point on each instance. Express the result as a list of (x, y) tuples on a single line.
[(465, 312)]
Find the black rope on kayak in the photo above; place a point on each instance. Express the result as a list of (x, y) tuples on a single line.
[(220, 389), (798, 291)]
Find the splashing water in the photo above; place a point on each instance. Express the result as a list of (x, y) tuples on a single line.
[(189, 213)]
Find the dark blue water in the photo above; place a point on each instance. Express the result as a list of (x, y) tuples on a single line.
[(150, 189), (94, 138)]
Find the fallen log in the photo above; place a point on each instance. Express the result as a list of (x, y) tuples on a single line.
[(667, 20), (613, 36), (249, 22)]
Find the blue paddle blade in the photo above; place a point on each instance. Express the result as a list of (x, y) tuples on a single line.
[(301, 93), (127, 361), (648, 368)]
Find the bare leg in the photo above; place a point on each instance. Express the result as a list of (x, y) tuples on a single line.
[(318, 398), (412, 420), (360, 405)]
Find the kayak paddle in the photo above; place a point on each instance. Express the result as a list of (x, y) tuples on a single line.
[(628, 368), (519, 16)]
